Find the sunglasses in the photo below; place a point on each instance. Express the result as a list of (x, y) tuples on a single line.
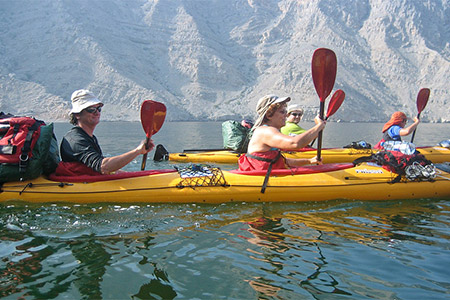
[(297, 114), (92, 110)]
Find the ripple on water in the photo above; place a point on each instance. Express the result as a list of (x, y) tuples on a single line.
[(239, 250)]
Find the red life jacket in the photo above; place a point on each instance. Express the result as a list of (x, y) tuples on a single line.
[(262, 161)]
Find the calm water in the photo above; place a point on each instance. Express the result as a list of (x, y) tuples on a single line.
[(328, 250)]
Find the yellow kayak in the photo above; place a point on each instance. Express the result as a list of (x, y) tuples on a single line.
[(329, 155), (203, 184)]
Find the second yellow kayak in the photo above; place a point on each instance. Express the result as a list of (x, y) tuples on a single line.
[(329, 155)]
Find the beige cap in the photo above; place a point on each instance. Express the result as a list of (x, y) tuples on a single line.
[(264, 104)]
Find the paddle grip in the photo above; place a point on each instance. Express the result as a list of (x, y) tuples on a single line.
[(144, 158)]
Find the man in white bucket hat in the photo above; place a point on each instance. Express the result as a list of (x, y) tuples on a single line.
[(80, 152), (264, 147)]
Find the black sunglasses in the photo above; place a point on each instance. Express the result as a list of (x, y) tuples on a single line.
[(92, 110), (297, 114)]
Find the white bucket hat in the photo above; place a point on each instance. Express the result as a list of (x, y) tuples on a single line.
[(82, 99), (264, 104), (294, 107)]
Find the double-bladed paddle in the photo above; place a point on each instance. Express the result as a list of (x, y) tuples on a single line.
[(323, 67), (422, 100), (153, 114)]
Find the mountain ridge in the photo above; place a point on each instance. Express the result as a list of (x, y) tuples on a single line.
[(212, 60)]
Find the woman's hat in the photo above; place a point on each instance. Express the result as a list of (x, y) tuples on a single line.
[(264, 104), (82, 99)]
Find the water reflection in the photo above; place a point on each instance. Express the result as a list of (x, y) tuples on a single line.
[(370, 223), (257, 250), (306, 237), (22, 263), (304, 252), (158, 288), (92, 260), (265, 233)]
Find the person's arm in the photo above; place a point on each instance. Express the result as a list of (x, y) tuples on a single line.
[(273, 138), (114, 163), (408, 130), (297, 162)]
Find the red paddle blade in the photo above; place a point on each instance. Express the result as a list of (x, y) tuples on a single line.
[(153, 114), (422, 99), (335, 102), (323, 66)]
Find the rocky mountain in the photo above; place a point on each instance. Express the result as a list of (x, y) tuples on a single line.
[(213, 59)]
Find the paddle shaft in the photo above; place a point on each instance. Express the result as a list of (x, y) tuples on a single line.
[(422, 100), (319, 138), (320, 133), (414, 132)]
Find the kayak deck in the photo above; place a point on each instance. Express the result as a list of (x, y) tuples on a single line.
[(363, 182)]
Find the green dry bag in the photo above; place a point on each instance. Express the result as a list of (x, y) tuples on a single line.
[(235, 136)]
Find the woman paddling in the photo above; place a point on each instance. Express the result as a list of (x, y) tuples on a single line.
[(394, 129), (267, 140)]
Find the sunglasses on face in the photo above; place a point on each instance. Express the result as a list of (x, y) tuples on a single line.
[(92, 110), (296, 114)]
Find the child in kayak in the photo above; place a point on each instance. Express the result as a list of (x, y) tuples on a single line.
[(267, 140), (394, 129)]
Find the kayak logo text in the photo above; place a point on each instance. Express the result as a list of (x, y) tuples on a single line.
[(367, 171)]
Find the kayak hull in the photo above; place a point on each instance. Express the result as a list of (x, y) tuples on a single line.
[(329, 155), (364, 182)]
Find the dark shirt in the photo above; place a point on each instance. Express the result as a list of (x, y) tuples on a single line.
[(78, 146)]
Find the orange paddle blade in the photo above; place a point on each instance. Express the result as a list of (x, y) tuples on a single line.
[(153, 114)]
